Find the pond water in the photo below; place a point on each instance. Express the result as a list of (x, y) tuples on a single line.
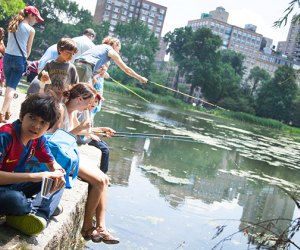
[(230, 183)]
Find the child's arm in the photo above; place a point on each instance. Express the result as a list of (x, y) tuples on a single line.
[(7, 178)]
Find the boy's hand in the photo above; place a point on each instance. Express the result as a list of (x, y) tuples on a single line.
[(59, 179), (45, 77)]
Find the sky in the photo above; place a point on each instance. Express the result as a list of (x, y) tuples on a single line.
[(262, 13)]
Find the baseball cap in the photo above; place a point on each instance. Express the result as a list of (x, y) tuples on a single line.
[(35, 11)]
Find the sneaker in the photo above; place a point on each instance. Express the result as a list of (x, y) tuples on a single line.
[(58, 210), (28, 224)]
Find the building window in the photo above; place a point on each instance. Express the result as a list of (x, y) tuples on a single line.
[(131, 8), (115, 16), (106, 13), (123, 18), (153, 8), (160, 17), (124, 12), (117, 3), (159, 23), (146, 6), (109, 1), (130, 15), (157, 29), (151, 20), (162, 11), (143, 18), (116, 9), (108, 7)]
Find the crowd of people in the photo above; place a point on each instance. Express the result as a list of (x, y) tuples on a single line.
[(68, 84)]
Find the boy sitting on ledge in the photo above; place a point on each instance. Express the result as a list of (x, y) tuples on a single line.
[(20, 196)]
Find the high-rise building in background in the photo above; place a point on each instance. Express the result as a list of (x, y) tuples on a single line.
[(219, 14), (291, 47), (256, 48), (114, 11)]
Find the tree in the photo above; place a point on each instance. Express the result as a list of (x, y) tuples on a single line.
[(234, 59), (275, 98), (139, 46), (202, 63), (177, 47), (10, 7), (257, 76), (288, 11), (296, 110)]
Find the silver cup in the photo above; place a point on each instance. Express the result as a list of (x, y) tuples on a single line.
[(46, 187)]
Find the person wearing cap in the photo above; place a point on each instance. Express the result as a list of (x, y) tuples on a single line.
[(19, 44)]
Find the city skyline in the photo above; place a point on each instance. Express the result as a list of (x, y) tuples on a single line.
[(240, 13)]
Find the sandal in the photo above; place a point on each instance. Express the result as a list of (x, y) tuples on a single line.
[(87, 234), (105, 236), (7, 115)]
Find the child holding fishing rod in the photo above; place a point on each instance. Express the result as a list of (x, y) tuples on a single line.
[(93, 138)]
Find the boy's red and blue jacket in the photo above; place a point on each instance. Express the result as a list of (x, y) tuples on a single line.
[(14, 154)]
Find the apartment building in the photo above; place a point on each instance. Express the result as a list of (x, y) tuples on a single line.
[(255, 47), (291, 47), (114, 11)]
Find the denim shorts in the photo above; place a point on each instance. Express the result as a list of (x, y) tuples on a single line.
[(13, 67)]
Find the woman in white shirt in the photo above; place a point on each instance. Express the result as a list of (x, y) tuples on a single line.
[(20, 38)]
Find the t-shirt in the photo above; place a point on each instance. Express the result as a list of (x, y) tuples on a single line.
[(61, 74), (14, 154)]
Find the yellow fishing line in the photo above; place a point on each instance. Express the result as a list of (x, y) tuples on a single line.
[(177, 91), (128, 89)]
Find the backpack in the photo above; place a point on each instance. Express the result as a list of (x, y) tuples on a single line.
[(65, 151)]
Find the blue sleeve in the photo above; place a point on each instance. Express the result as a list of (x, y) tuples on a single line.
[(5, 142)]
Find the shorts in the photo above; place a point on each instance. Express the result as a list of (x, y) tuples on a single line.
[(13, 67), (84, 71)]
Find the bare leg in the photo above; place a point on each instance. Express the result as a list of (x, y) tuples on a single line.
[(101, 208), (9, 93), (96, 196)]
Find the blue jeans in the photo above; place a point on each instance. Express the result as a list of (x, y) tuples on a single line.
[(17, 199), (13, 67), (102, 145)]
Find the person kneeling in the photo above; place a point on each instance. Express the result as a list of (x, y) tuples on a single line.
[(20, 197)]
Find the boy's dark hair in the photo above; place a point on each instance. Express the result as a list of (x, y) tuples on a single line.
[(41, 105), (66, 43)]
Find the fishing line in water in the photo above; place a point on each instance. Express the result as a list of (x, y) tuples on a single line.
[(177, 91), (122, 85), (150, 136)]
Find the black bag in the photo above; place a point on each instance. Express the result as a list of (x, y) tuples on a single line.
[(25, 59)]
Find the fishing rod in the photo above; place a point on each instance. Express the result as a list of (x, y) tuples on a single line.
[(177, 91), (145, 135), (122, 85), (153, 135)]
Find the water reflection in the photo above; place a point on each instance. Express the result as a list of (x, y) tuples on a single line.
[(231, 172)]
